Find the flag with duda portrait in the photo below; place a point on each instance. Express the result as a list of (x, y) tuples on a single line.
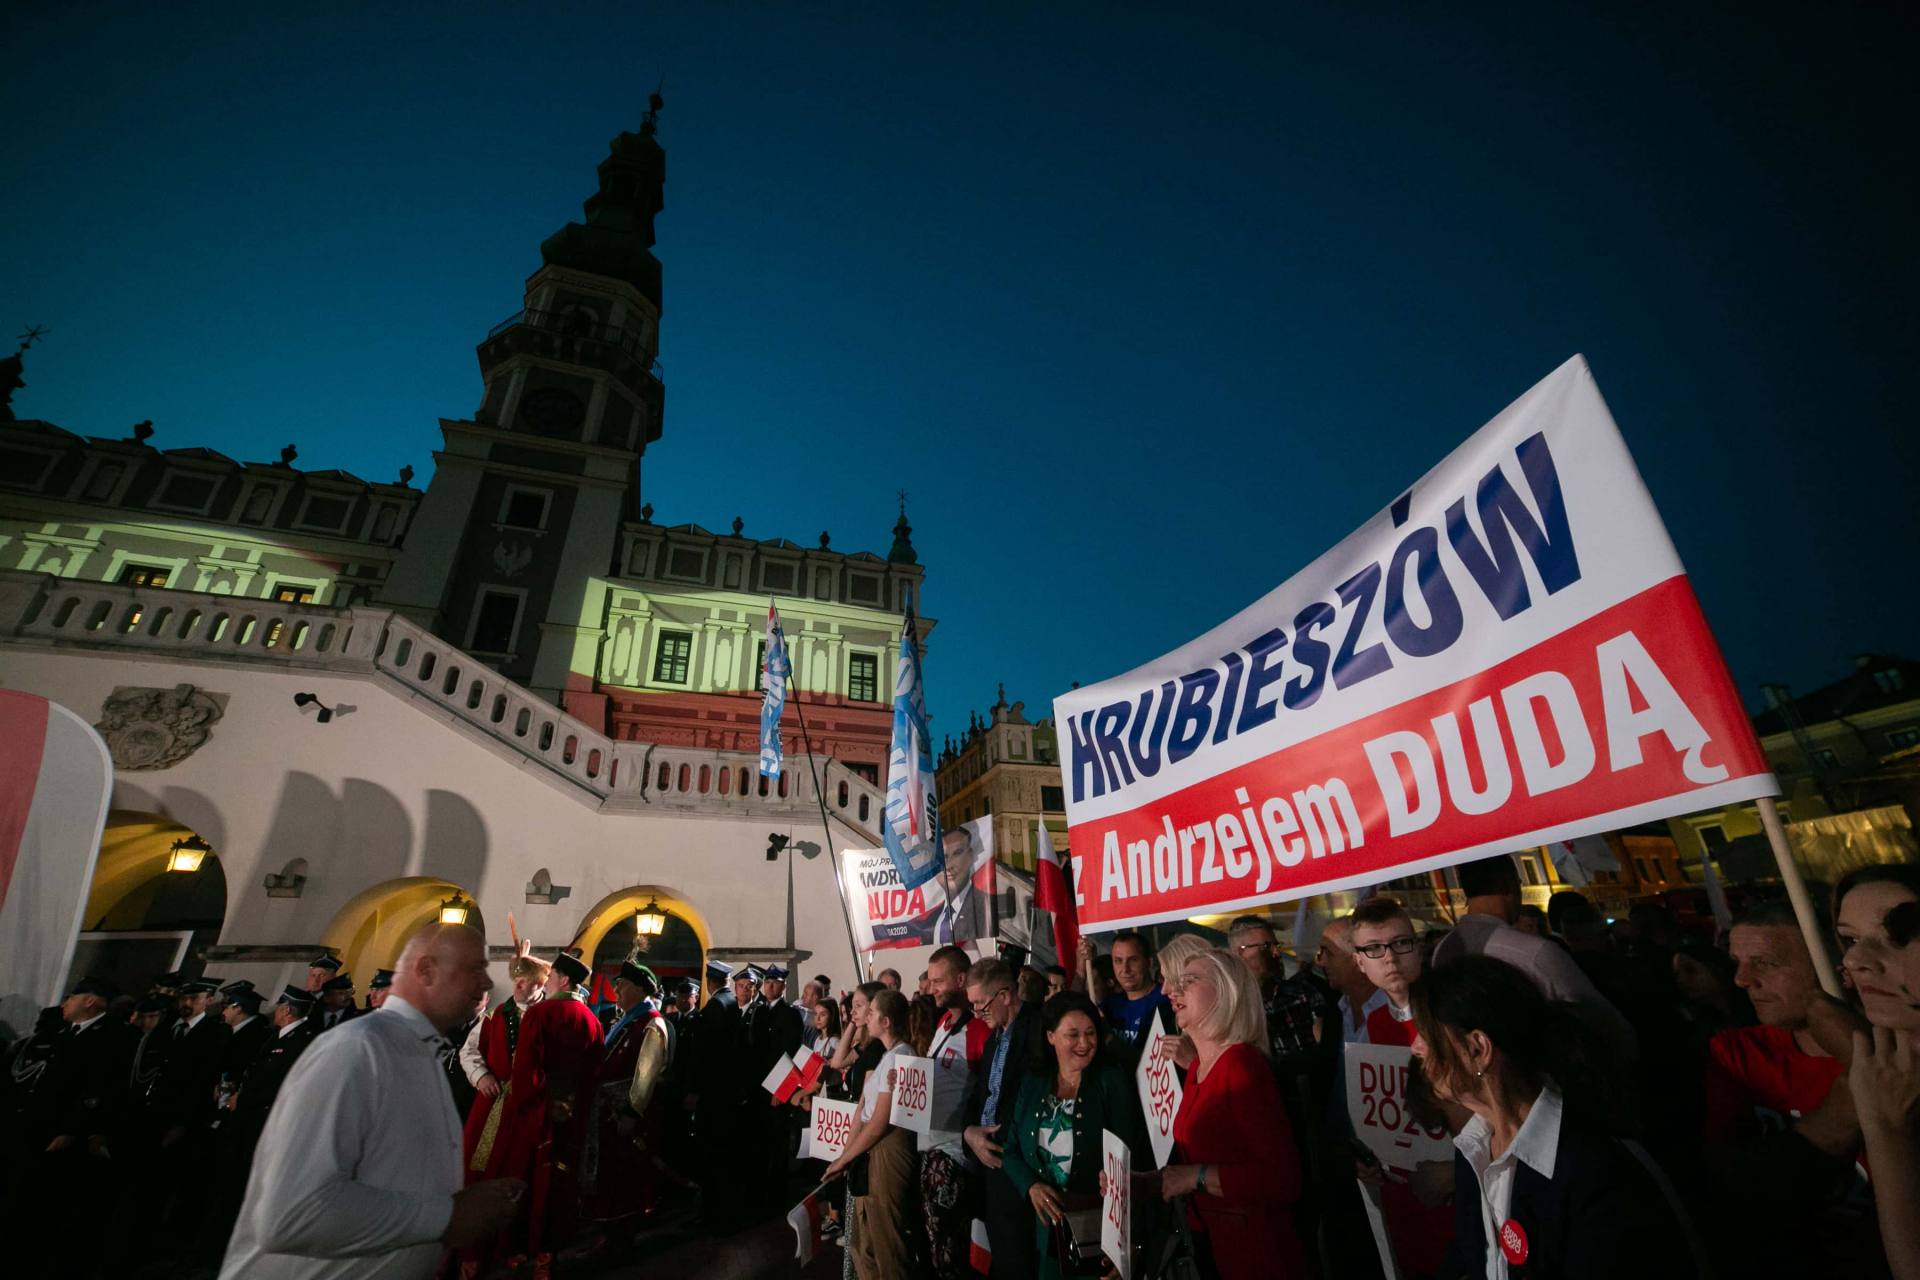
[(774, 670), (1509, 654), (911, 823)]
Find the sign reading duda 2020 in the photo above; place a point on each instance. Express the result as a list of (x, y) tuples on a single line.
[(1510, 653)]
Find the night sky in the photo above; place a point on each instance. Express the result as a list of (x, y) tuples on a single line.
[(1144, 309)]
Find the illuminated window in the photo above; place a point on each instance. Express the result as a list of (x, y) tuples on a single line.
[(144, 575), (671, 659)]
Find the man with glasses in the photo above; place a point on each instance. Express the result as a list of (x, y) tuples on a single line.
[(1013, 1026), (1358, 997), (1299, 1011), (1419, 1217)]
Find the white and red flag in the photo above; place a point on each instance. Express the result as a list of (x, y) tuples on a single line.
[(980, 1249), (1054, 895), (1509, 654), (789, 1075), (805, 1219)]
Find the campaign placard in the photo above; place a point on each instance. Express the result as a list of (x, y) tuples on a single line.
[(956, 905), (832, 1127), (1508, 654), (1160, 1091), (912, 1093), (1377, 1105), (1116, 1210)]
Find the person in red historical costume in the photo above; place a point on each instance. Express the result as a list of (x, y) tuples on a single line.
[(620, 1170), (558, 1050), (487, 1059)]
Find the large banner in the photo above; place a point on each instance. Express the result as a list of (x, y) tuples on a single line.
[(55, 783), (1508, 654), (957, 905)]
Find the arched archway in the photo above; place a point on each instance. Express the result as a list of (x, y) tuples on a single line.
[(606, 934), (370, 930), (159, 894)]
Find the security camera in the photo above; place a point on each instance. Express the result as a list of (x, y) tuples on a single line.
[(305, 700)]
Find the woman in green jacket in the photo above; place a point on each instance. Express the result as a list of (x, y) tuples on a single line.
[(1069, 1096)]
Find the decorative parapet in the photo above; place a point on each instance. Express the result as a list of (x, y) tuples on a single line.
[(617, 777)]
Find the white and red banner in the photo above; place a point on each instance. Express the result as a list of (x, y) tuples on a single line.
[(912, 1086), (1509, 654), (1116, 1206), (831, 1129), (1160, 1094), (56, 782), (956, 905), (1377, 1105)]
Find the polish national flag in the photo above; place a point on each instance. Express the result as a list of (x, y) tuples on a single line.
[(809, 1064), (804, 1218), (783, 1079), (979, 1251), (1054, 895)]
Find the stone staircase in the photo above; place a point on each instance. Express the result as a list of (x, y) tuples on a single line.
[(387, 648)]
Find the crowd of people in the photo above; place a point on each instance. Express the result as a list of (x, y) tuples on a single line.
[(1600, 1097)]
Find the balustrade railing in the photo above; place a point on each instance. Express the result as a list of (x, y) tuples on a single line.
[(627, 776)]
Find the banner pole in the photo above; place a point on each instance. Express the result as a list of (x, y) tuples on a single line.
[(1817, 947), (826, 826)]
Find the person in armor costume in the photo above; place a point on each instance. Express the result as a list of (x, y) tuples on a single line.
[(537, 1138), (620, 1166)]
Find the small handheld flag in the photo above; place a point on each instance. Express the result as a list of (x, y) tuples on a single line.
[(1054, 895)]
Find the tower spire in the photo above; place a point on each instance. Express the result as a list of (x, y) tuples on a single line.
[(617, 237)]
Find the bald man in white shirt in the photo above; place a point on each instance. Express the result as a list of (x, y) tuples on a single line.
[(358, 1171)]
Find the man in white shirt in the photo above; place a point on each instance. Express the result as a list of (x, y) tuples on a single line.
[(358, 1172), (959, 1043)]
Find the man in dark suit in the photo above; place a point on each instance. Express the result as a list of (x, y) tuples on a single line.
[(249, 1031), (336, 1003), (713, 1054), (992, 991), (775, 1028), (288, 1031), (82, 1101), (967, 916)]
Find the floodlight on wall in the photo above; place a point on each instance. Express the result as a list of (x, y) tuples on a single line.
[(305, 700), (187, 854), (455, 910), (776, 845), (650, 921)]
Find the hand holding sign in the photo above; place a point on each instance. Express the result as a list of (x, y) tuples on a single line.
[(1116, 1209), (1159, 1090), (912, 1087)]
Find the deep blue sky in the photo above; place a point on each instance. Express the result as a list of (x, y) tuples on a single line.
[(1145, 309)]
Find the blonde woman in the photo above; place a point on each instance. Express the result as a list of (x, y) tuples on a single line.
[(1234, 1153)]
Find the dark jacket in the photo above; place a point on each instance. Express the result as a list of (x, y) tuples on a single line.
[(194, 1060), (244, 1045), (85, 1089), (1108, 1101), (1022, 1030), (1600, 1216)]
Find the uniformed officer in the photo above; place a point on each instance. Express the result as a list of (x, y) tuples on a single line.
[(321, 970), (250, 1032), (335, 1003), (775, 1029), (377, 989), (290, 1031)]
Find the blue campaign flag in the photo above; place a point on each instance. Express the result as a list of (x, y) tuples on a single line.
[(911, 823), (774, 670)]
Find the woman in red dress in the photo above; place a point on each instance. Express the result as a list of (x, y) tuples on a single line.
[(1233, 1152)]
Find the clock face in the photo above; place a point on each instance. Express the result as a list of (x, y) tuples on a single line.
[(551, 411)]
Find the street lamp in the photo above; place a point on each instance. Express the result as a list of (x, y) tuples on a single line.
[(651, 920), (455, 910), (186, 855)]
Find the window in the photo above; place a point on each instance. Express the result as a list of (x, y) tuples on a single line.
[(24, 468), (1530, 868), (293, 594), (1713, 836), (1890, 680), (384, 521), (144, 575), (986, 806), (778, 578), (186, 493), (671, 659), (686, 562), (863, 677), (1905, 736), (495, 622), (863, 588), (524, 508), (328, 514), (1053, 800)]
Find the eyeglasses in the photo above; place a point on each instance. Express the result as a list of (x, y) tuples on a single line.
[(981, 1006), (1256, 946), (1400, 946)]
